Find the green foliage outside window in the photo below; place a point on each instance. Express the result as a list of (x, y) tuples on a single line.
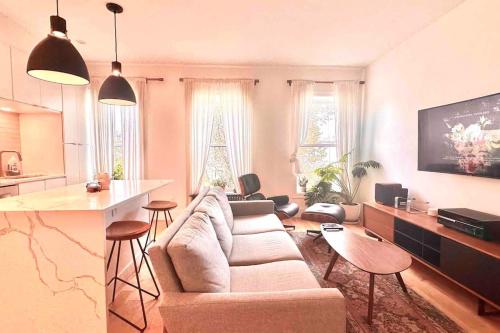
[(118, 171)]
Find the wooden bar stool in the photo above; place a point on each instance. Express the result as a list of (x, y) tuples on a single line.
[(156, 207), (128, 231)]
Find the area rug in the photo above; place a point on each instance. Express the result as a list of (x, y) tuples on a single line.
[(394, 311)]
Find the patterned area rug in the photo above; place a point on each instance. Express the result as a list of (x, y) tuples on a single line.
[(394, 311)]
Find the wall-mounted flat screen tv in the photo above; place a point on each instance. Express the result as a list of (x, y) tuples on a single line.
[(461, 138)]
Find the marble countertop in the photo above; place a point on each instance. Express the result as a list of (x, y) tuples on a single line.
[(15, 181), (76, 198)]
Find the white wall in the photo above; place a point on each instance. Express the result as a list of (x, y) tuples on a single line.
[(455, 58), (166, 127)]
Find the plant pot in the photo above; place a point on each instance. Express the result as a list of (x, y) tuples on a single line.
[(303, 189), (352, 212)]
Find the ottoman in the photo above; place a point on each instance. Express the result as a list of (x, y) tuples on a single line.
[(323, 213)]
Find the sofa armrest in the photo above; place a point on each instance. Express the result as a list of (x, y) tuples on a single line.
[(252, 207), (305, 310)]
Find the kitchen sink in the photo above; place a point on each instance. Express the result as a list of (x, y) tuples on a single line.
[(31, 175)]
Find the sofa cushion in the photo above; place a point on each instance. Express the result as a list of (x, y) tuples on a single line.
[(210, 207), (254, 224), (221, 197), (263, 248), (197, 256), (274, 276)]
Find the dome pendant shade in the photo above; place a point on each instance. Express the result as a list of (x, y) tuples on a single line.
[(56, 60), (116, 90)]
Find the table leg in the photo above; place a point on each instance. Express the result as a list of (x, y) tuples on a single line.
[(330, 266), (370, 298), (401, 282)]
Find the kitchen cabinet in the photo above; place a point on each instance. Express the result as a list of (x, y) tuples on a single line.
[(30, 187), (55, 183), (70, 121), (71, 163), (51, 95), (76, 158), (83, 160), (6, 70), (74, 118), (26, 89)]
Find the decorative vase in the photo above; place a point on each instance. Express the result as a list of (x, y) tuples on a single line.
[(104, 180), (352, 212)]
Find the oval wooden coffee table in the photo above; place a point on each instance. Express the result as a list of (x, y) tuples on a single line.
[(369, 255)]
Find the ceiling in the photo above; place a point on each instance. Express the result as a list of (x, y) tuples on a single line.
[(238, 32)]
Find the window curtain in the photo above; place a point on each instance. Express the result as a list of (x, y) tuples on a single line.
[(236, 112), (348, 104), (105, 121), (201, 98), (302, 96), (132, 124)]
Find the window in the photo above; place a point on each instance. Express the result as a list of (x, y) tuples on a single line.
[(218, 171), (118, 143), (318, 149)]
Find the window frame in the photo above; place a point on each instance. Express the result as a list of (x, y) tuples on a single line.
[(321, 92)]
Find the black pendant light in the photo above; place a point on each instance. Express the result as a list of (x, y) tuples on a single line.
[(115, 89), (55, 59)]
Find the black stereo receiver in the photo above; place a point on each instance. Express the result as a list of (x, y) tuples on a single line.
[(478, 224)]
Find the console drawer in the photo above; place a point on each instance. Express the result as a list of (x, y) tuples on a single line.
[(379, 222)]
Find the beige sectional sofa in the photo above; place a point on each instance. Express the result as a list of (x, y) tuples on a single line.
[(250, 279)]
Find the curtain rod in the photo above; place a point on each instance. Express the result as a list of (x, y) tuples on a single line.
[(181, 79), (289, 82), (159, 79)]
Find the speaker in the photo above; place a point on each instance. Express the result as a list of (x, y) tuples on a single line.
[(386, 192)]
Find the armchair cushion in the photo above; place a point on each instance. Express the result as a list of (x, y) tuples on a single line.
[(249, 183), (210, 206), (290, 209), (280, 200), (197, 256)]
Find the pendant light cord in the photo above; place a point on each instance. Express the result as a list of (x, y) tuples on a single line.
[(116, 43), (57, 7)]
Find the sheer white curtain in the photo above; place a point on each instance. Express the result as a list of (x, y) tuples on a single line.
[(302, 96), (102, 130), (127, 120), (236, 111), (201, 100), (132, 120), (348, 124)]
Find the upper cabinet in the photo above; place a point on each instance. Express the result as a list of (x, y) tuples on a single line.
[(74, 115), (26, 89), (5, 69), (51, 95)]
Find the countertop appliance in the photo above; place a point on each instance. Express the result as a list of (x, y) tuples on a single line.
[(9, 191), (478, 224)]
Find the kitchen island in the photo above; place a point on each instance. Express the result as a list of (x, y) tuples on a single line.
[(53, 255)]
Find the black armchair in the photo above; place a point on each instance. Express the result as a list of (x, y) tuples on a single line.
[(283, 208)]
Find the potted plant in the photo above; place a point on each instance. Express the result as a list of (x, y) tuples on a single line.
[(303, 183), (219, 183), (344, 185)]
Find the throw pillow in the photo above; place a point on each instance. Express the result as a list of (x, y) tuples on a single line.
[(197, 256)]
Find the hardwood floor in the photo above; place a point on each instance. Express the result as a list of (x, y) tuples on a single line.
[(453, 301)]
